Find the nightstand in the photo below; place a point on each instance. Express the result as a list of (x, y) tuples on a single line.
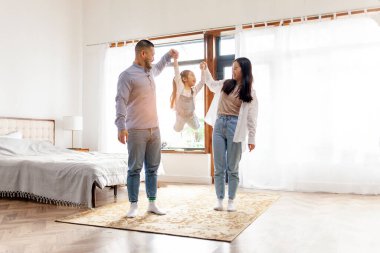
[(80, 149)]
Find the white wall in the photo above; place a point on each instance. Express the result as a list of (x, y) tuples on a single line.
[(41, 60), (186, 168), (112, 20)]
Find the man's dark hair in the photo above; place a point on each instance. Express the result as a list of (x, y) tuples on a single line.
[(142, 44)]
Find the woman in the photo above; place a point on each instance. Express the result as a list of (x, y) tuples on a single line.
[(233, 114)]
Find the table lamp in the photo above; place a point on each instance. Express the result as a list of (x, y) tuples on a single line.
[(73, 123)]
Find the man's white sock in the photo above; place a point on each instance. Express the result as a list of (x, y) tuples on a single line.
[(153, 208), (219, 205), (132, 213)]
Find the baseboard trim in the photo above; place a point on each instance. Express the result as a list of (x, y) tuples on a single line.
[(182, 179)]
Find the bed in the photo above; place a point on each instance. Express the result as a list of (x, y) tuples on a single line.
[(33, 167)]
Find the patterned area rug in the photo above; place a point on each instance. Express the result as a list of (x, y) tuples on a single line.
[(189, 213)]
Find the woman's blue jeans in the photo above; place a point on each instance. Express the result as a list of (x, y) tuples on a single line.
[(144, 148), (227, 155)]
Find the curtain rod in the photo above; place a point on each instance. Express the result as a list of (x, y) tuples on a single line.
[(260, 24)]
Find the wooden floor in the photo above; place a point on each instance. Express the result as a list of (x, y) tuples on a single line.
[(297, 222), (27, 226)]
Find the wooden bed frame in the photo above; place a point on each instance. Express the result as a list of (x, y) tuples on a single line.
[(39, 129)]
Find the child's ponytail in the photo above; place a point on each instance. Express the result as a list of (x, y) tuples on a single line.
[(173, 95)]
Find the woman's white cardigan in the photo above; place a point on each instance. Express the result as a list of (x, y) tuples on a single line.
[(247, 119)]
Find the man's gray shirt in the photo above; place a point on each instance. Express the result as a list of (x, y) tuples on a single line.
[(136, 96)]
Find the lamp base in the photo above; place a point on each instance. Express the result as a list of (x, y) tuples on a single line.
[(72, 139)]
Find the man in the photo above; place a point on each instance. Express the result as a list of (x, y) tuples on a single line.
[(137, 122)]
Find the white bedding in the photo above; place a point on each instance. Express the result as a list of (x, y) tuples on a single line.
[(41, 171)]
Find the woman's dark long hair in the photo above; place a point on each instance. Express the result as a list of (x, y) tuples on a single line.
[(246, 81)]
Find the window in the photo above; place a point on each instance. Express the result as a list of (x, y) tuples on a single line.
[(227, 45), (225, 54), (227, 72), (191, 53)]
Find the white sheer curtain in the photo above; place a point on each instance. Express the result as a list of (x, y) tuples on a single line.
[(318, 86), (116, 61)]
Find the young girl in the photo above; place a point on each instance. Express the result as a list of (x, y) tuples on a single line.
[(232, 114), (183, 98)]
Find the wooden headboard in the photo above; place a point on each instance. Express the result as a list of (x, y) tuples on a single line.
[(35, 129)]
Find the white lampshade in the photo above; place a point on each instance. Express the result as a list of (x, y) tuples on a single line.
[(73, 122)]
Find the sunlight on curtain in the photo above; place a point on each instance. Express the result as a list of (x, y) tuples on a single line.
[(116, 61), (318, 87)]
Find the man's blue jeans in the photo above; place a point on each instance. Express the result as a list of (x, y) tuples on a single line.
[(227, 155), (144, 148)]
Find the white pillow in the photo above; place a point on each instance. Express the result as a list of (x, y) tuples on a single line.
[(13, 147), (13, 135)]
